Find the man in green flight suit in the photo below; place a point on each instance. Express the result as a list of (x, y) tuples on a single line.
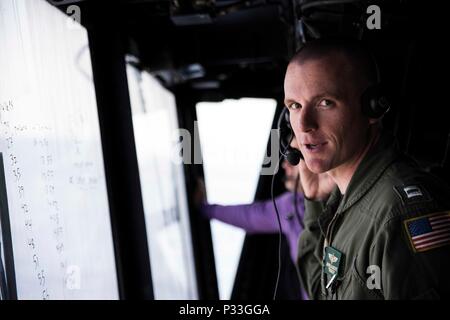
[(376, 225)]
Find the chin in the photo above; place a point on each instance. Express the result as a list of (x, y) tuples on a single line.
[(317, 166)]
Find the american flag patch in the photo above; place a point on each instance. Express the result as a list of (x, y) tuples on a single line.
[(430, 231)]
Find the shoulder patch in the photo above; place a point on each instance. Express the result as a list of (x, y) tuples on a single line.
[(412, 193), (429, 231)]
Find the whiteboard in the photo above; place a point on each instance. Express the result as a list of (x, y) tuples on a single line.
[(53, 163), (161, 173)]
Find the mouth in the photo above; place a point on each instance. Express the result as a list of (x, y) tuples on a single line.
[(314, 148)]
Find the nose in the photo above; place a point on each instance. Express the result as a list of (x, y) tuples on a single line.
[(306, 119)]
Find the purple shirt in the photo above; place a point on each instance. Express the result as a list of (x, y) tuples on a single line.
[(260, 217)]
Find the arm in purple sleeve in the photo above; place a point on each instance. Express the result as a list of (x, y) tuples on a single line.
[(258, 217)]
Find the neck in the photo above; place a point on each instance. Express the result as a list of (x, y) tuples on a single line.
[(344, 173)]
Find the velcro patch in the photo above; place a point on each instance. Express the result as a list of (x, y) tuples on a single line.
[(429, 231)]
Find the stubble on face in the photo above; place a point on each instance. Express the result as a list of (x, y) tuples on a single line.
[(342, 126)]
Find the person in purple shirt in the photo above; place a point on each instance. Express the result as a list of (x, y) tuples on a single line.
[(260, 216)]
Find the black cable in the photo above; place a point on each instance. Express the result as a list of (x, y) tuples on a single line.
[(282, 151), (299, 218), (280, 230)]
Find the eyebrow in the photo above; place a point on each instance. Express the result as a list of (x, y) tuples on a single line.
[(288, 101), (314, 98)]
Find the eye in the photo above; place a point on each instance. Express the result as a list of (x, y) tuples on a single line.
[(294, 106), (325, 103)]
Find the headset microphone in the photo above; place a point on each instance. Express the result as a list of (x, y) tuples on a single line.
[(293, 156)]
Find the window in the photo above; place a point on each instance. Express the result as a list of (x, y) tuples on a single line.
[(163, 188), (53, 197), (233, 136)]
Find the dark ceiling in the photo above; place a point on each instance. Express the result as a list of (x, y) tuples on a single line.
[(241, 48), (246, 43)]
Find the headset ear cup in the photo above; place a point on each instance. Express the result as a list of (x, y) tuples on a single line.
[(374, 102), (292, 155)]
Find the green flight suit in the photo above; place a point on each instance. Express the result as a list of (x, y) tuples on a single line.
[(381, 226)]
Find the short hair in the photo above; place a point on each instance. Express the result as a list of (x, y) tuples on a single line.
[(357, 53)]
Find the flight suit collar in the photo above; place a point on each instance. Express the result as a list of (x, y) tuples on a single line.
[(374, 163), (330, 209)]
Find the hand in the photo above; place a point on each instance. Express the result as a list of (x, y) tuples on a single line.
[(316, 186)]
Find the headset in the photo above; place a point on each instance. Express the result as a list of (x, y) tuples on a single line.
[(292, 155), (374, 101)]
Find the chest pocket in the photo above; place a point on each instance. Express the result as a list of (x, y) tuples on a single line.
[(354, 286)]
